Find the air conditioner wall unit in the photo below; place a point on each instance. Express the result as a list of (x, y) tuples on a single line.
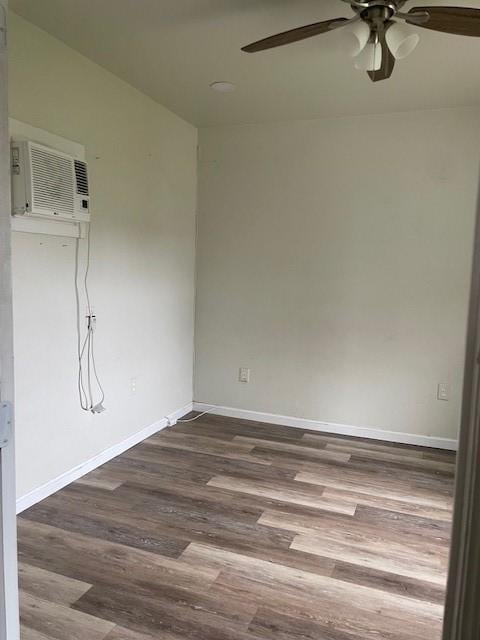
[(47, 183)]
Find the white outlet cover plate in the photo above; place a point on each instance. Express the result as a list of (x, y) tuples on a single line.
[(244, 374), (442, 391)]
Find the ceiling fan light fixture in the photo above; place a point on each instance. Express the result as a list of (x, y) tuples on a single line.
[(401, 41), (355, 38), (370, 58), (388, 40)]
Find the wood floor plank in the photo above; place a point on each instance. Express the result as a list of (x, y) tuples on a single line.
[(439, 454), (199, 462), (162, 500), (389, 475), (251, 503), (102, 479), (324, 439), (67, 508), (112, 528), (202, 427), (223, 529), (369, 547), (439, 479), (211, 446), (122, 633), (148, 464), (308, 454), (192, 606), (369, 623), (31, 634), (407, 462), (297, 462), (412, 532), (284, 579), (361, 482), (59, 622), (149, 614), (50, 586), (161, 520), (170, 497), (404, 526), (197, 443), (96, 561), (273, 625), (384, 581), (395, 504), (251, 428), (302, 590), (300, 495), (377, 553)]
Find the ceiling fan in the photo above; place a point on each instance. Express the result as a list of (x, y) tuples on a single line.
[(375, 36)]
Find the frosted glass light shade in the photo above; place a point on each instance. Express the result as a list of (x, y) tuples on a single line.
[(370, 58), (355, 37), (401, 41)]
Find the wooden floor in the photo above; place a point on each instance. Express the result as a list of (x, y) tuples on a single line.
[(222, 529)]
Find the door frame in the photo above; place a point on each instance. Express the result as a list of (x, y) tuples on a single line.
[(462, 610), (462, 613), (9, 613)]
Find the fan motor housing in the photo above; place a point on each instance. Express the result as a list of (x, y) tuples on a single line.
[(393, 5), (376, 11), (377, 15)]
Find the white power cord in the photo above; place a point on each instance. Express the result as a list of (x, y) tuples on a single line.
[(85, 349), (172, 422), (197, 417)]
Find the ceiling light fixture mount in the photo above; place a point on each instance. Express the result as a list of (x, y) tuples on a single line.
[(222, 86), (375, 35)]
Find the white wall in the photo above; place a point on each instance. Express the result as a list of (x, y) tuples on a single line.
[(333, 259), (345, 294), (142, 162)]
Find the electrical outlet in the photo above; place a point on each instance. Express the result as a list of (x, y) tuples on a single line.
[(442, 391), (244, 375), (133, 385)]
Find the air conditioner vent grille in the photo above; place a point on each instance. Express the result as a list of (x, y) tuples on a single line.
[(81, 176), (52, 182)]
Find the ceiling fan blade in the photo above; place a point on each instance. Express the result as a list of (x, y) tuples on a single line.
[(461, 21), (417, 18), (294, 35), (388, 61)]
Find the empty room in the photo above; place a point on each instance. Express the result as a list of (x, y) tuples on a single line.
[(240, 301)]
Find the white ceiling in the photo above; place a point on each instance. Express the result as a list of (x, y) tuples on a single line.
[(173, 49)]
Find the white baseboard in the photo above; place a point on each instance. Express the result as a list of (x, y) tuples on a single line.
[(66, 478), (330, 427)]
